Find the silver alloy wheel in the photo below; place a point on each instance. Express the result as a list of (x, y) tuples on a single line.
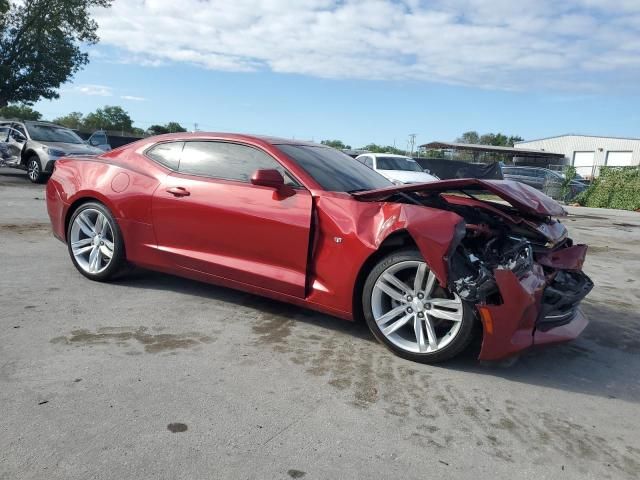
[(412, 311), (33, 169), (92, 240)]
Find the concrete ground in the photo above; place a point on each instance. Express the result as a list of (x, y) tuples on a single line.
[(159, 377)]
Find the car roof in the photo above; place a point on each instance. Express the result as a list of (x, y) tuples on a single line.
[(38, 122), (235, 137), (30, 122)]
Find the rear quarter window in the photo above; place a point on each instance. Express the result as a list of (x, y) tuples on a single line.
[(167, 154)]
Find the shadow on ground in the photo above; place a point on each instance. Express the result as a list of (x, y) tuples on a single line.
[(598, 363)]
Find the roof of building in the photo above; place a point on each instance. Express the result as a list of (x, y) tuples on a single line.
[(576, 135), (519, 152)]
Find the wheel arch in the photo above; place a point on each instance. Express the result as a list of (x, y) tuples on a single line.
[(27, 154), (79, 201), (397, 240)]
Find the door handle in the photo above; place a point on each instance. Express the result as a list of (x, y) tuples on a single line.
[(178, 191)]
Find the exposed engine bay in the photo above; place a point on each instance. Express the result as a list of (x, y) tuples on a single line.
[(497, 237)]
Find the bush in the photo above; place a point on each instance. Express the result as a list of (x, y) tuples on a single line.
[(616, 187), (569, 174)]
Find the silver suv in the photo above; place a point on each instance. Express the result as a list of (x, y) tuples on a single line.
[(35, 146)]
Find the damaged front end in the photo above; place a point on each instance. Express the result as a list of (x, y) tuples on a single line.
[(514, 262), (526, 291)]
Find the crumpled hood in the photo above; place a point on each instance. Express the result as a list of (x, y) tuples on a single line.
[(406, 176), (522, 197)]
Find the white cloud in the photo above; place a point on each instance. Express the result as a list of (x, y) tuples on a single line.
[(501, 44), (97, 90), (133, 98)]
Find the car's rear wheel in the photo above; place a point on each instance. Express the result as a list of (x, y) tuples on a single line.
[(408, 310), (95, 242), (34, 170)]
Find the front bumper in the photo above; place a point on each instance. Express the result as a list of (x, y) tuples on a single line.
[(536, 309)]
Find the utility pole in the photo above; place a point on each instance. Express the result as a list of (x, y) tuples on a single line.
[(195, 127), (412, 142)]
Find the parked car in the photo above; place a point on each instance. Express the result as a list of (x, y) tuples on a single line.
[(35, 146), (397, 168), (543, 179), (99, 139), (424, 264)]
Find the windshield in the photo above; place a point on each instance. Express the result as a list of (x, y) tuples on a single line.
[(397, 163), (333, 170), (52, 133)]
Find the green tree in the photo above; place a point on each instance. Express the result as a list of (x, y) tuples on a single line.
[(21, 112), (494, 139), (109, 118), (374, 148), (335, 144), (513, 139), (40, 46), (170, 127), (157, 130), (469, 137), (174, 127), (4, 8), (490, 139), (71, 120)]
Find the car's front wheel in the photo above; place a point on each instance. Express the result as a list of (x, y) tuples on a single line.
[(408, 310), (95, 242), (34, 170)]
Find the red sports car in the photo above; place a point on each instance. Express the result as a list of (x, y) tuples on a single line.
[(423, 264)]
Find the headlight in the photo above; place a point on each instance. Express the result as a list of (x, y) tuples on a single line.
[(54, 152)]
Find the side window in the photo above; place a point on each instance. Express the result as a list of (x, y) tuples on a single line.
[(167, 154), (228, 161), (98, 138), (368, 161), (20, 128)]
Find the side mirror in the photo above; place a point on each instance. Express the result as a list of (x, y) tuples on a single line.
[(268, 178)]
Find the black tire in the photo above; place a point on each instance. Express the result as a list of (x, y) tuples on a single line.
[(35, 171), (459, 343), (118, 263)]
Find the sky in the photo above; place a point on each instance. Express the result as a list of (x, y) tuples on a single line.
[(367, 71)]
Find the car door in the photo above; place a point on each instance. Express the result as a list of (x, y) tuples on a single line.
[(15, 143), (5, 154), (208, 217)]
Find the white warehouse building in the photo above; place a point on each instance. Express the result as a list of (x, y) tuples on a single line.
[(587, 153)]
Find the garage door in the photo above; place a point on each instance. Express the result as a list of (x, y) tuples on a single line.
[(619, 159), (583, 161)]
